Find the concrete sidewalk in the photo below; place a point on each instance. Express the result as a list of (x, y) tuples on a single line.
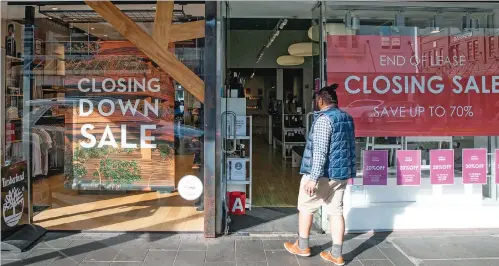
[(427, 248)]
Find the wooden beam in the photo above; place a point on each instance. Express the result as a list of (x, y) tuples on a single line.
[(163, 22), (165, 59), (187, 31)]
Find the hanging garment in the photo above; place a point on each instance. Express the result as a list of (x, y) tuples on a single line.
[(47, 150), (37, 155)]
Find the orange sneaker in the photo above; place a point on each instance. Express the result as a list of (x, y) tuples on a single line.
[(296, 250), (326, 255)]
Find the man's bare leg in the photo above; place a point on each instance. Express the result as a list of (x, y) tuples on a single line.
[(337, 224), (304, 225)]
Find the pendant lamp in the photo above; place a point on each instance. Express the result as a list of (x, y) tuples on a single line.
[(304, 49), (290, 60), (313, 33)]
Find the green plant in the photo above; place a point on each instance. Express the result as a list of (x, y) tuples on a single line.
[(79, 170), (118, 172), (166, 151)]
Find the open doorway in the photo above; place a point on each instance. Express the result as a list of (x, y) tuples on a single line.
[(270, 83)]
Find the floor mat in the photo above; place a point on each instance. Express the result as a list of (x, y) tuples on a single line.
[(267, 220)]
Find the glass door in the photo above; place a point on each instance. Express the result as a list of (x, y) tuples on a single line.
[(228, 117), (316, 34), (259, 93)]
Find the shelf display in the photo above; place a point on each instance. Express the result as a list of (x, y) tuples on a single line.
[(239, 160)]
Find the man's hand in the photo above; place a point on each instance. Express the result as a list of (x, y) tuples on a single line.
[(309, 187)]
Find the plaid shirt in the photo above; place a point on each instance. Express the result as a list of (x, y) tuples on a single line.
[(321, 138)]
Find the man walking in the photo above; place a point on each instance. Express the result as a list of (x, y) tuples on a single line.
[(328, 162)]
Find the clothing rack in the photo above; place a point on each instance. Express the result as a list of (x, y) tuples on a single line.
[(51, 137)]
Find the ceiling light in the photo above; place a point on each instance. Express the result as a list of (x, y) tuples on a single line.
[(475, 23), (355, 23), (50, 17), (290, 60), (55, 8), (399, 20), (348, 19), (313, 33), (283, 23), (304, 49), (490, 21), (153, 7), (92, 28), (436, 22)]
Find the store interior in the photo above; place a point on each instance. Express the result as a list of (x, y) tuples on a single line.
[(102, 189)]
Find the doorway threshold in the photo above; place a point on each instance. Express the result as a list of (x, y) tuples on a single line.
[(279, 221)]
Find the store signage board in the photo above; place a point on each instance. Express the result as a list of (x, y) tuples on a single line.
[(375, 168), (240, 125), (14, 196), (409, 168), (442, 167), (238, 169), (403, 93), (474, 166), (125, 123)]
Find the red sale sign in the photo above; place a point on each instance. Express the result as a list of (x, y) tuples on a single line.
[(474, 166), (401, 84)]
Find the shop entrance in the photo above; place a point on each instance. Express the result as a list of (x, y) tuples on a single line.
[(272, 70)]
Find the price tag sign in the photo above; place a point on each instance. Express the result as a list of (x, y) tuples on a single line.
[(409, 168), (474, 166), (375, 168), (442, 167)]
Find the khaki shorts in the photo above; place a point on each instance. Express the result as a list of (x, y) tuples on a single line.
[(328, 193)]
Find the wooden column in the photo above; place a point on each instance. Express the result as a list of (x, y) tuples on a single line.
[(165, 59), (163, 22)]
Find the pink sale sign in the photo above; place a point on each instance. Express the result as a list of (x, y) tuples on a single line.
[(442, 167), (375, 168), (474, 166), (409, 168)]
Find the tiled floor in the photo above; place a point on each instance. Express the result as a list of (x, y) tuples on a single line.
[(400, 249)]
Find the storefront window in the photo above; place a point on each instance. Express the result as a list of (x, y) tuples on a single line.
[(420, 103), (110, 132)]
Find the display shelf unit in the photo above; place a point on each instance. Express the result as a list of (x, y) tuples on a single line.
[(288, 128), (11, 96), (247, 184)]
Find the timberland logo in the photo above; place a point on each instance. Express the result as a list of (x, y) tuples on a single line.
[(12, 180), (13, 206)]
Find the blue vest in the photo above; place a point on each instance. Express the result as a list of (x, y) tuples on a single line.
[(341, 161)]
